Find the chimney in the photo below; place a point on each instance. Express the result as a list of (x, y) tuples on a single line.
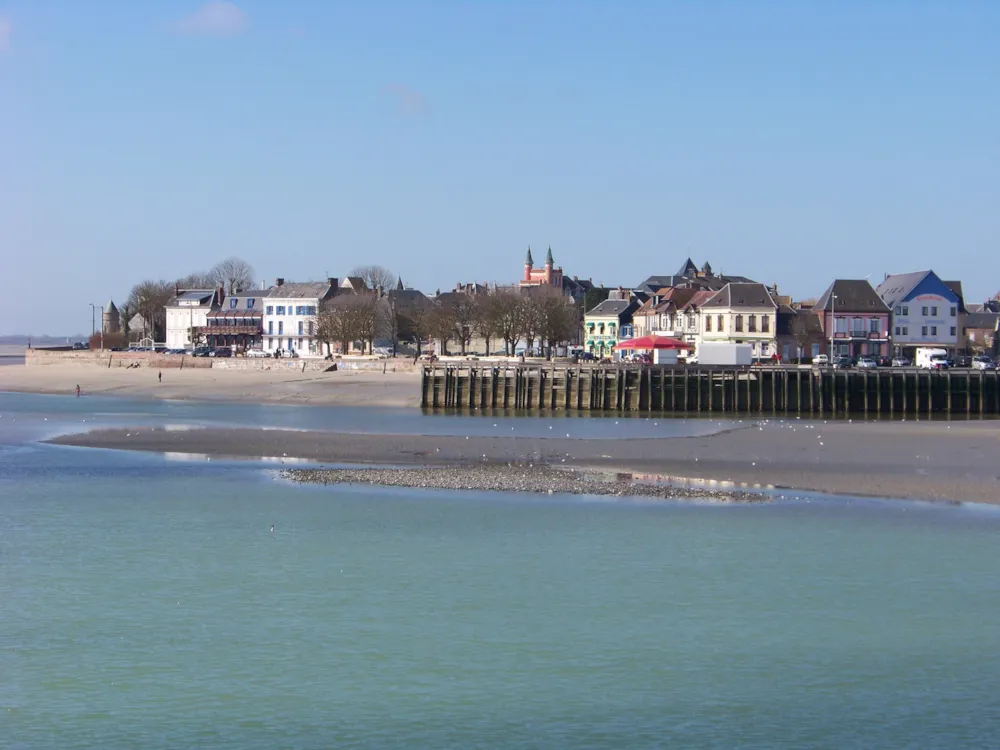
[(334, 283), (177, 290), (279, 281), (262, 286)]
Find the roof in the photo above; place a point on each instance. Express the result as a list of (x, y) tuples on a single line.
[(110, 308), (300, 290), (900, 286), (612, 307), (741, 295), (548, 257), (698, 299), (354, 282), (853, 296), (241, 302), (528, 261), (200, 296), (956, 288), (688, 268), (981, 320)]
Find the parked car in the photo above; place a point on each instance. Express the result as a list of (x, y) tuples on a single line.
[(255, 353), (885, 361), (201, 351), (843, 363), (982, 362), (961, 360), (821, 360), (587, 357), (867, 363), (221, 352), (80, 346), (900, 362)]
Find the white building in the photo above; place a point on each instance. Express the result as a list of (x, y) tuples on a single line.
[(741, 314), (926, 311), (188, 309), (290, 315)]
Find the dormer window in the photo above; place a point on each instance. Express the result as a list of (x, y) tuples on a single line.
[(233, 302), (250, 302)]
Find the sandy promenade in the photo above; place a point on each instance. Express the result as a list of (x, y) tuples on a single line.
[(927, 460), (340, 387)]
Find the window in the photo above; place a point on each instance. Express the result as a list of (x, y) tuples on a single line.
[(954, 311), (600, 328), (840, 325), (923, 330), (279, 310), (752, 323), (269, 310), (300, 328), (691, 321), (906, 310), (290, 343), (933, 330), (590, 327), (233, 302), (765, 323), (898, 330), (708, 324), (923, 311), (953, 330), (310, 328), (906, 330), (281, 327), (270, 343), (300, 343), (934, 312), (250, 302), (857, 327), (270, 328), (739, 323), (898, 310), (874, 325), (719, 323)]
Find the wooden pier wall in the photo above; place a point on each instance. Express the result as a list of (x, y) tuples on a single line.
[(763, 390)]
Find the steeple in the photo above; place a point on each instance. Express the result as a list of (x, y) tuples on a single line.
[(528, 261), (399, 284), (548, 257)]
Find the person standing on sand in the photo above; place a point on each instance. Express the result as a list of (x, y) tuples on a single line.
[(78, 391), (159, 376)]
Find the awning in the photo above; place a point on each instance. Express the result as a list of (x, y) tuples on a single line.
[(652, 342)]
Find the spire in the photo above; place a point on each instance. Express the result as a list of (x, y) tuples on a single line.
[(548, 257), (399, 284), (528, 260)]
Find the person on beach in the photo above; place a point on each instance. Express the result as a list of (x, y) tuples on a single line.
[(78, 391), (159, 376)]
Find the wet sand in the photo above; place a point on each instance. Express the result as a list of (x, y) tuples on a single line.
[(272, 386), (921, 460)]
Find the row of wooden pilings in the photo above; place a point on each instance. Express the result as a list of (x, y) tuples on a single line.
[(770, 390)]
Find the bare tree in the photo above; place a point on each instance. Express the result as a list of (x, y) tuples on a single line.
[(486, 320), (197, 280), (442, 324), (414, 323), (557, 316), (234, 275), (349, 318), (148, 299), (507, 311), (375, 277)]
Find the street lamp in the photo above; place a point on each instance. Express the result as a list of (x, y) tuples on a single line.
[(93, 329), (833, 309)]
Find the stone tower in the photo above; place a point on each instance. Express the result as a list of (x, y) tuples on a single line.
[(111, 319)]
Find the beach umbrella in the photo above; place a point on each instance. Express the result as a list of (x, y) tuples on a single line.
[(652, 342)]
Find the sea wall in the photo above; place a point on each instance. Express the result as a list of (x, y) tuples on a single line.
[(109, 359)]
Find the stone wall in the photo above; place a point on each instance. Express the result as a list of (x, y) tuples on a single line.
[(269, 363), (48, 357)]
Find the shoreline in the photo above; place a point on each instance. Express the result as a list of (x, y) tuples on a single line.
[(931, 461)]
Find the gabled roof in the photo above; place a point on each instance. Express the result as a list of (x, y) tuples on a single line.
[(733, 296), (900, 286), (853, 296), (354, 282), (613, 307), (688, 268), (200, 297), (697, 300), (301, 290), (981, 320), (956, 288)]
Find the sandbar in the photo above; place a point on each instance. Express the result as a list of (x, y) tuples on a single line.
[(938, 461)]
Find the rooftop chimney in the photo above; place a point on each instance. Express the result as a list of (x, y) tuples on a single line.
[(262, 285), (279, 281), (334, 282)]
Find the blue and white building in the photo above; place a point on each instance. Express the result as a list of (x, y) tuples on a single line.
[(291, 312), (926, 311)]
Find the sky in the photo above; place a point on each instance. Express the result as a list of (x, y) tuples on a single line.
[(792, 142)]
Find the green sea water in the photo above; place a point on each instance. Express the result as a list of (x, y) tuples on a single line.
[(146, 603)]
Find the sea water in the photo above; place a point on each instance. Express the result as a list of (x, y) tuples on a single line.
[(147, 603)]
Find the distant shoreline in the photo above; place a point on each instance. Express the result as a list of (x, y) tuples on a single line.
[(937, 461)]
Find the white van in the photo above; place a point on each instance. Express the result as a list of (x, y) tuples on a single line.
[(931, 359)]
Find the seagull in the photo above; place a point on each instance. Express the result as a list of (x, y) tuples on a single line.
[(272, 528)]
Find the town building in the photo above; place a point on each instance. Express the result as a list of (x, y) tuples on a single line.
[(925, 312), (111, 318), (661, 314), (186, 314), (236, 323), (979, 333), (607, 324), (741, 313), (854, 318), (800, 332), (291, 311), (689, 276), (551, 275)]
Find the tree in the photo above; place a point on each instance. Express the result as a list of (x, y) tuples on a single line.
[(506, 310), (349, 318), (414, 321), (375, 277), (486, 320), (197, 280), (233, 275), (805, 329), (557, 316), (148, 299), (442, 324), (196, 336)]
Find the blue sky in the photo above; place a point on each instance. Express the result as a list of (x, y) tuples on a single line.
[(788, 141)]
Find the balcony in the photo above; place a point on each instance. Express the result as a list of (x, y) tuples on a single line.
[(230, 330)]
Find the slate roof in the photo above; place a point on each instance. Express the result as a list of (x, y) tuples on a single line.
[(732, 296), (301, 290), (981, 321), (110, 308), (201, 296), (698, 299), (853, 296), (898, 287), (612, 307), (688, 268), (956, 288)]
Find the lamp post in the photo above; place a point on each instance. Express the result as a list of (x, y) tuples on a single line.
[(93, 314), (833, 309)]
